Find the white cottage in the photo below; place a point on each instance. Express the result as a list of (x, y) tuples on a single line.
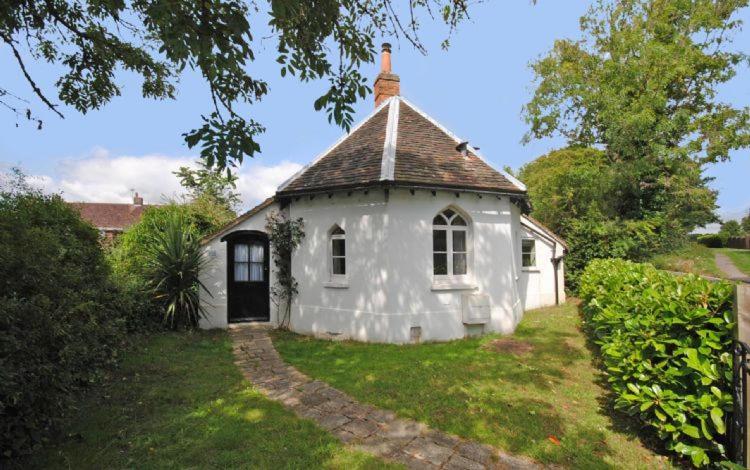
[(410, 235)]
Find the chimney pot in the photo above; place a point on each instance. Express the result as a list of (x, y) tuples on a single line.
[(387, 84), (137, 200)]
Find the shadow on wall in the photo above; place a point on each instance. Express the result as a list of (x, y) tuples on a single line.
[(379, 236)]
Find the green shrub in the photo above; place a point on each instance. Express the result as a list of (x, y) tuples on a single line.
[(591, 239), (666, 345), (173, 264), (712, 240), (61, 318)]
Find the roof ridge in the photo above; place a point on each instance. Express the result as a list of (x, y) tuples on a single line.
[(458, 140), (340, 140), (388, 163)]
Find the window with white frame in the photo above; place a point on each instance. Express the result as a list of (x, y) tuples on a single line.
[(338, 252), (528, 253), (450, 244)]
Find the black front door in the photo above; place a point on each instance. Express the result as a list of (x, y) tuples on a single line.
[(247, 276)]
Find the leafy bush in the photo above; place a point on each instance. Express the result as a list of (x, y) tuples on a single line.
[(591, 239), (712, 240), (173, 265), (61, 318), (665, 344)]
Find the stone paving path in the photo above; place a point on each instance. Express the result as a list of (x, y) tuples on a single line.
[(725, 265), (367, 428)]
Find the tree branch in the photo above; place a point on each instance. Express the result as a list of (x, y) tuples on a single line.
[(33, 84)]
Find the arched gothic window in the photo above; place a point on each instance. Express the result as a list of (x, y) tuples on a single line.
[(450, 244), (338, 252)]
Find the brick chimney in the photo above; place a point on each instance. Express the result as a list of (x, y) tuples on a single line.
[(387, 84), (137, 200)]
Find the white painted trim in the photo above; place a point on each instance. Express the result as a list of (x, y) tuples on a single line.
[(388, 164), (458, 140), (341, 139)]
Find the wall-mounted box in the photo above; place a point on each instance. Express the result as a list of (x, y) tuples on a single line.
[(475, 309)]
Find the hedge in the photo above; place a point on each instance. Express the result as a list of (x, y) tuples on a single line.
[(62, 319), (712, 240), (665, 343)]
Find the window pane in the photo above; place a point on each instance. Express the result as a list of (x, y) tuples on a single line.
[(241, 272), (339, 265), (339, 247), (241, 252), (448, 213), (458, 221), (459, 240), (256, 272), (439, 242), (527, 246), (459, 263), (440, 263), (439, 220), (256, 252), (526, 260)]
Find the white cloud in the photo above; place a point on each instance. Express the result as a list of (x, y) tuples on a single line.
[(102, 177)]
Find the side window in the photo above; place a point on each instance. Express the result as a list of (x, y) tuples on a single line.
[(450, 244), (338, 252), (528, 253)]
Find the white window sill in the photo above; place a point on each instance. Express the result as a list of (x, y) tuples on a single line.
[(530, 269), (336, 284), (448, 285)]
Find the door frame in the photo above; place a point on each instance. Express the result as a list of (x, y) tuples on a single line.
[(246, 236)]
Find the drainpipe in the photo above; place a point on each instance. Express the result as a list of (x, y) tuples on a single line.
[(555, 265)]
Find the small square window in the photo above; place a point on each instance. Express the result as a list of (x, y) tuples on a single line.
[(528, 253)]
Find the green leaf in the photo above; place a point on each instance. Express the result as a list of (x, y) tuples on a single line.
[(717, 416), (691, 430)]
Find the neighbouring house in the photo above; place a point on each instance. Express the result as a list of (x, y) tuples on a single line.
[(410, 235), (111, 219)]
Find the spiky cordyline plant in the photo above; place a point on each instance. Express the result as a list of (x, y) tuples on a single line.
[(174, 263)]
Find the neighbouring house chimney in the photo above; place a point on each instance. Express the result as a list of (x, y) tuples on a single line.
[(137, 200), (387, 84)]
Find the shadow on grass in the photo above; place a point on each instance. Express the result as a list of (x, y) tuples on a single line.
[(542, 404), (618, 421), (178, 401)]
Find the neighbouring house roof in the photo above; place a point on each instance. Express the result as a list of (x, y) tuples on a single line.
[(241, 218), (112, 217), (399, 145), (537, 226)]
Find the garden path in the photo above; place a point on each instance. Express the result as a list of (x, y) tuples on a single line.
[(367, 428), (726, 266)]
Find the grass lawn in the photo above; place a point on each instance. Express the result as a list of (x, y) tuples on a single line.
[(544, 403), (178, 401), (693, 258), (740, 258)]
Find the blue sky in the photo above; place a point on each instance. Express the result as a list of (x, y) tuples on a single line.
[(476, 88)]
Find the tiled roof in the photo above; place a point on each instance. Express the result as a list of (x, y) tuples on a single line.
[(399, 145), (110, 216)]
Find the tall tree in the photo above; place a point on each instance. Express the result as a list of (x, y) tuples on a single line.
[(642, 84), (211, 183), (569, 184), (93, 41)]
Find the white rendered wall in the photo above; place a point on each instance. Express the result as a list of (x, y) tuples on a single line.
[(537, 284), (389, 266), (214, 276)]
